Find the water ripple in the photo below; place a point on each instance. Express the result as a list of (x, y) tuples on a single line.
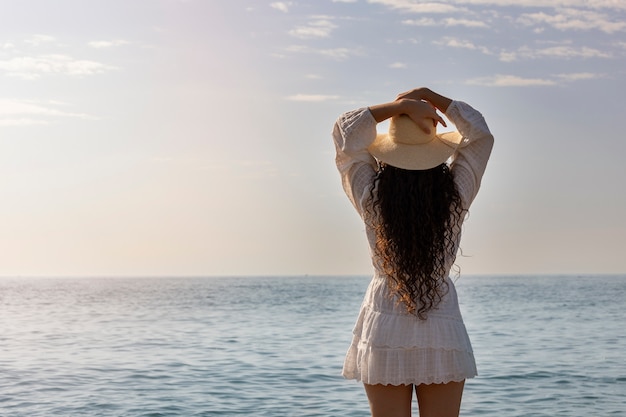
[(274, 347)]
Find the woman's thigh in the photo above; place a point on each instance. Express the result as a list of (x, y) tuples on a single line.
[(440, 400), (390, 400)]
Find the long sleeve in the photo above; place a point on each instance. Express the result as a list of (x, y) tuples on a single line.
[(470, 159), (353, 132)]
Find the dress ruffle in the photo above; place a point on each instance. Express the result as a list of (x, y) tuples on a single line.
[(408, 366), (390, 346)]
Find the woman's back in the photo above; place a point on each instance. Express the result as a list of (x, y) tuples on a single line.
[(409, 332), (416, 216)]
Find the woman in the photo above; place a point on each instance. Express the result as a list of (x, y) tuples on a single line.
[(413, 188)]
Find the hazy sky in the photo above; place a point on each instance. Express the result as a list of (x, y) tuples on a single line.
[(164, 137)]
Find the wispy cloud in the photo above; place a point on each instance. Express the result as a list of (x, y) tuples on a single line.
[(418, 7), (452, 42), (424, 21), (312, 98), (283, 6), (577, 76), (559, 51), (447, 22), (38, 40), (33, 112), (398, 65), (450, 21), (337, 54), (501, 80), (574, 19), (563, 15), (510, 81), (587, 4), (33, 67), (318, 28)]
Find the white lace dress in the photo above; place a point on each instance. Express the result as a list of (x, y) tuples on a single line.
[(389, 345)]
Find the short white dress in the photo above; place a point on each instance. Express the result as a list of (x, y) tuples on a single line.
[(389, 345)]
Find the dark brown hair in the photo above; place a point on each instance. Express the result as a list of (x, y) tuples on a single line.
[(416, 215)]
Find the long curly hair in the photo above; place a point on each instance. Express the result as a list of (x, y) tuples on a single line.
[(416, 215)]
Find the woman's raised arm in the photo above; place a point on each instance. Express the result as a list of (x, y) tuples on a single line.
[(418, 110)]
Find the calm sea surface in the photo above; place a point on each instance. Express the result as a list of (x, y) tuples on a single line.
[(274, 346)]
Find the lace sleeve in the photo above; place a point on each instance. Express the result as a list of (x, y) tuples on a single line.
[(470, 160), (353, 132)]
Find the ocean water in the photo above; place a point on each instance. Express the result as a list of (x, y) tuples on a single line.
[(274, 346)]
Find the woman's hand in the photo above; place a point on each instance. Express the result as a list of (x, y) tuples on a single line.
[(414, 94), (422, 113), (437, 100)]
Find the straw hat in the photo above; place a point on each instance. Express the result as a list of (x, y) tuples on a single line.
[(407, 146)]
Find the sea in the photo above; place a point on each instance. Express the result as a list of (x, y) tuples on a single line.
[(274, 346)]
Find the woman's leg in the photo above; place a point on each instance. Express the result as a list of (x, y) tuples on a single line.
[(440, 400), (390, 400)]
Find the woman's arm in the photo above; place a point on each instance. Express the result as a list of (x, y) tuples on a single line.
[(440, 102), (471, 157), (416, 109)]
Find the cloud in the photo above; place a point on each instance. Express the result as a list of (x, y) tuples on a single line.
[(319, 28), (455, 43), (570, 52), (574, 19), (37, 40), (577, 76), (414, 7), (463, 44), (283, 6), (510, 81), (33, 67), (337, 54), (516, 81), (312, 98), (424, 21), (464, 22), (559, 51), (107, 44), (447, 22), (588, 4), (561, 14), (30, 112), (398, 65)]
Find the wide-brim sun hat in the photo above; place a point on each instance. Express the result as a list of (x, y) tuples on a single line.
[(407, 146)]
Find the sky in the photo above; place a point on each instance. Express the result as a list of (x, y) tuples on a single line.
[(190, 137)]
